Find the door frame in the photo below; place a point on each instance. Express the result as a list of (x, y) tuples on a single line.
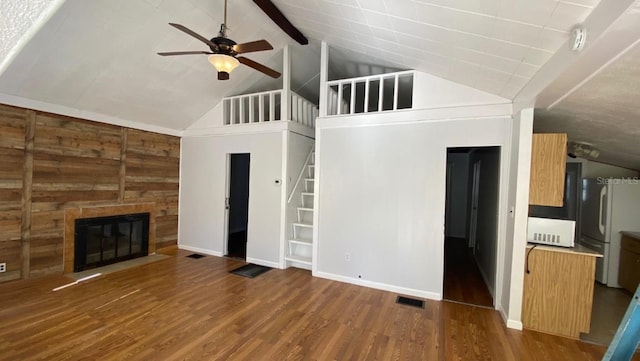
[(473, 212), (227, 200), (226, 205)]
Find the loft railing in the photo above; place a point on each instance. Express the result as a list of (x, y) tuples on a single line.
[(252, 108), (267, 107), (375, 93)]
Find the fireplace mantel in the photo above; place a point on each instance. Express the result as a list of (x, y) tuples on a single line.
[(71, 214)]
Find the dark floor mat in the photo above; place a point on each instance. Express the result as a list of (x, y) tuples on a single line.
[(410, 302), (250, 270), (195, 256)]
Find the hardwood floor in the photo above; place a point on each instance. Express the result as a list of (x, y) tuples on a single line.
[(462, 279), (186, 309)]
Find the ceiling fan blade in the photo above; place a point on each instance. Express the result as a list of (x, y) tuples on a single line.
[(259, 67), (169, 53), (194, 34), (258, 45), (278, 17)]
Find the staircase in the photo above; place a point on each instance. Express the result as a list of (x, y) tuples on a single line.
[(300, 249)]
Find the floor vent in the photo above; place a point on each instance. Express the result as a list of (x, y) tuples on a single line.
[(410, 302), (250, 270), (195, 256)]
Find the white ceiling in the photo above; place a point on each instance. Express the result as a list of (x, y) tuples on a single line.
[(603, 112), (100, 57), (595, 101)]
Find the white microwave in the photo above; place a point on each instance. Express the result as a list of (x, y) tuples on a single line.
[(552, 232)]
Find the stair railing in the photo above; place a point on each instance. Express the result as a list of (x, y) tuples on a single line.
[(304, 166), (302, 110)]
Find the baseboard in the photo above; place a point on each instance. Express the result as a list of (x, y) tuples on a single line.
[(262, 262), (516, 325), (380, 286), (167, 250), (298, 265), (200, 250), (501, 312), (486, 280)]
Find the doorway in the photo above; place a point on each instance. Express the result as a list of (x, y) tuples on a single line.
[(471, 224), (237, 204)]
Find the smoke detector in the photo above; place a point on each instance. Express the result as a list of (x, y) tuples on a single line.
[(583, 150), (578, 38)]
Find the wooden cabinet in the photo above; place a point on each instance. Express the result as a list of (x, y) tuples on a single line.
[(629, 273), (548, 165), (558, 291)]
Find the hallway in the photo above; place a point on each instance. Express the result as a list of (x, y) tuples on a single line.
[(463, 281)]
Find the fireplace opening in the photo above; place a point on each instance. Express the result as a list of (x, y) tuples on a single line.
[(105, 240)]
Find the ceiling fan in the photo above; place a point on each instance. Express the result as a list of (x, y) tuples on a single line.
[(224, 51)]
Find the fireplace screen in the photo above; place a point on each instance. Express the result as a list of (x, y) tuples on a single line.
[(106, 240)]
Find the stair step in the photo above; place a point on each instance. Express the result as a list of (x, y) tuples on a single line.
[(309, 180), (303, 225), (307, 194), (300, 241), (305, 209), (299, 259)]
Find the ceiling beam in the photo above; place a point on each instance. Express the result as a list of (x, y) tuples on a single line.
[(278, 17)]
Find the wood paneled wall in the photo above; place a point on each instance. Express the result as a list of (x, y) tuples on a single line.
[(51, 162)]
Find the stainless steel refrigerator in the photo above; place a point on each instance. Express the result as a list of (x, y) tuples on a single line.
[(608, 206)]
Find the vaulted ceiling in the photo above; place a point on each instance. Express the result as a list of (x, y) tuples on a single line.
[(99, 57)]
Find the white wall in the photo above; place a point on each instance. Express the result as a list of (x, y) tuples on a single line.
[(511, 280), (203, 188), (456, 221), (213, 118), (432, 92), (381, 195)]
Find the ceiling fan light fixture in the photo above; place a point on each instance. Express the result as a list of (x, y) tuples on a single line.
[(223, 63)]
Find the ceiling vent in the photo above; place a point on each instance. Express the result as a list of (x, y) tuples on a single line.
[(583, 150)]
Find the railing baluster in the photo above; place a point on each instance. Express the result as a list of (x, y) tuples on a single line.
[(261, 108), (272, 107), (331, 103), (352, 106), (292, 101), (381, 94), (251, 109), (294, 110), (395, 93), (233, 111), (241, 112), (225, 111), (366, 96), (340, 98)]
